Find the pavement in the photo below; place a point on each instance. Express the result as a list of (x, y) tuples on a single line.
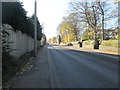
[(106, 49), (95, 51), (61, 67), (38, 76)]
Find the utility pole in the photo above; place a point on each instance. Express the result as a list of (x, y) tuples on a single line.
[(35, 27), (0, 45), (43, 28)]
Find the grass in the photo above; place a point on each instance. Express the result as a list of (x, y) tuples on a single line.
[(110, 43), (91, 42)]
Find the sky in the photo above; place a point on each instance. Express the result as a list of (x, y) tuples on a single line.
[(49, 13)]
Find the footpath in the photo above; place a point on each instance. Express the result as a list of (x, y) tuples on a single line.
[(98, 50), (104, 52), (33, 75)]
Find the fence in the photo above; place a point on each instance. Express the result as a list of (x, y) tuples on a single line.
[(19, 42)]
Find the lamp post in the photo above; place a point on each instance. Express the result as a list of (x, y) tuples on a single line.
[(35, 27)]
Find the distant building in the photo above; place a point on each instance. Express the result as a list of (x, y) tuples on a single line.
[(111, 33)]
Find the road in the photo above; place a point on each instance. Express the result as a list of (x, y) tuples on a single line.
[(60, 67)]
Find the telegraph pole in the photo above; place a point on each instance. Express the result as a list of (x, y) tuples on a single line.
[(35, 27), (0, 45), (43, 28)]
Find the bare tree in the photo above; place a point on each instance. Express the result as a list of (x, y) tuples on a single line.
[(102, 13), (88, 12), (95, 14)]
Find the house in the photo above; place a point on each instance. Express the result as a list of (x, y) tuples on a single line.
[(111, 33)]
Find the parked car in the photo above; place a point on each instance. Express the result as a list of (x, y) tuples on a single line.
[(69, 44)]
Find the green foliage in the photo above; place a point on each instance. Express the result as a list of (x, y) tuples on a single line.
[(118, 35), (15, 15), (5, 43), (39, 30), (91, 42), (68, 29), (87, 35), (109, 43), (113, 43)]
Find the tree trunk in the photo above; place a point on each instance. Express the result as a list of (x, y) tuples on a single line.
[(103, 28), (76, 38), (96, 42)]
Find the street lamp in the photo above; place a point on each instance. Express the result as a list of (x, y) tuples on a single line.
[(35, 27)]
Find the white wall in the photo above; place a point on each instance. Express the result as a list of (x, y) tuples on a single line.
[(20, 43)]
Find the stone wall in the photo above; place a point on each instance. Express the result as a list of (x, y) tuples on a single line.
[(20, 43)]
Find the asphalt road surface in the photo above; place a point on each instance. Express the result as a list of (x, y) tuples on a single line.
[(60, 67)]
